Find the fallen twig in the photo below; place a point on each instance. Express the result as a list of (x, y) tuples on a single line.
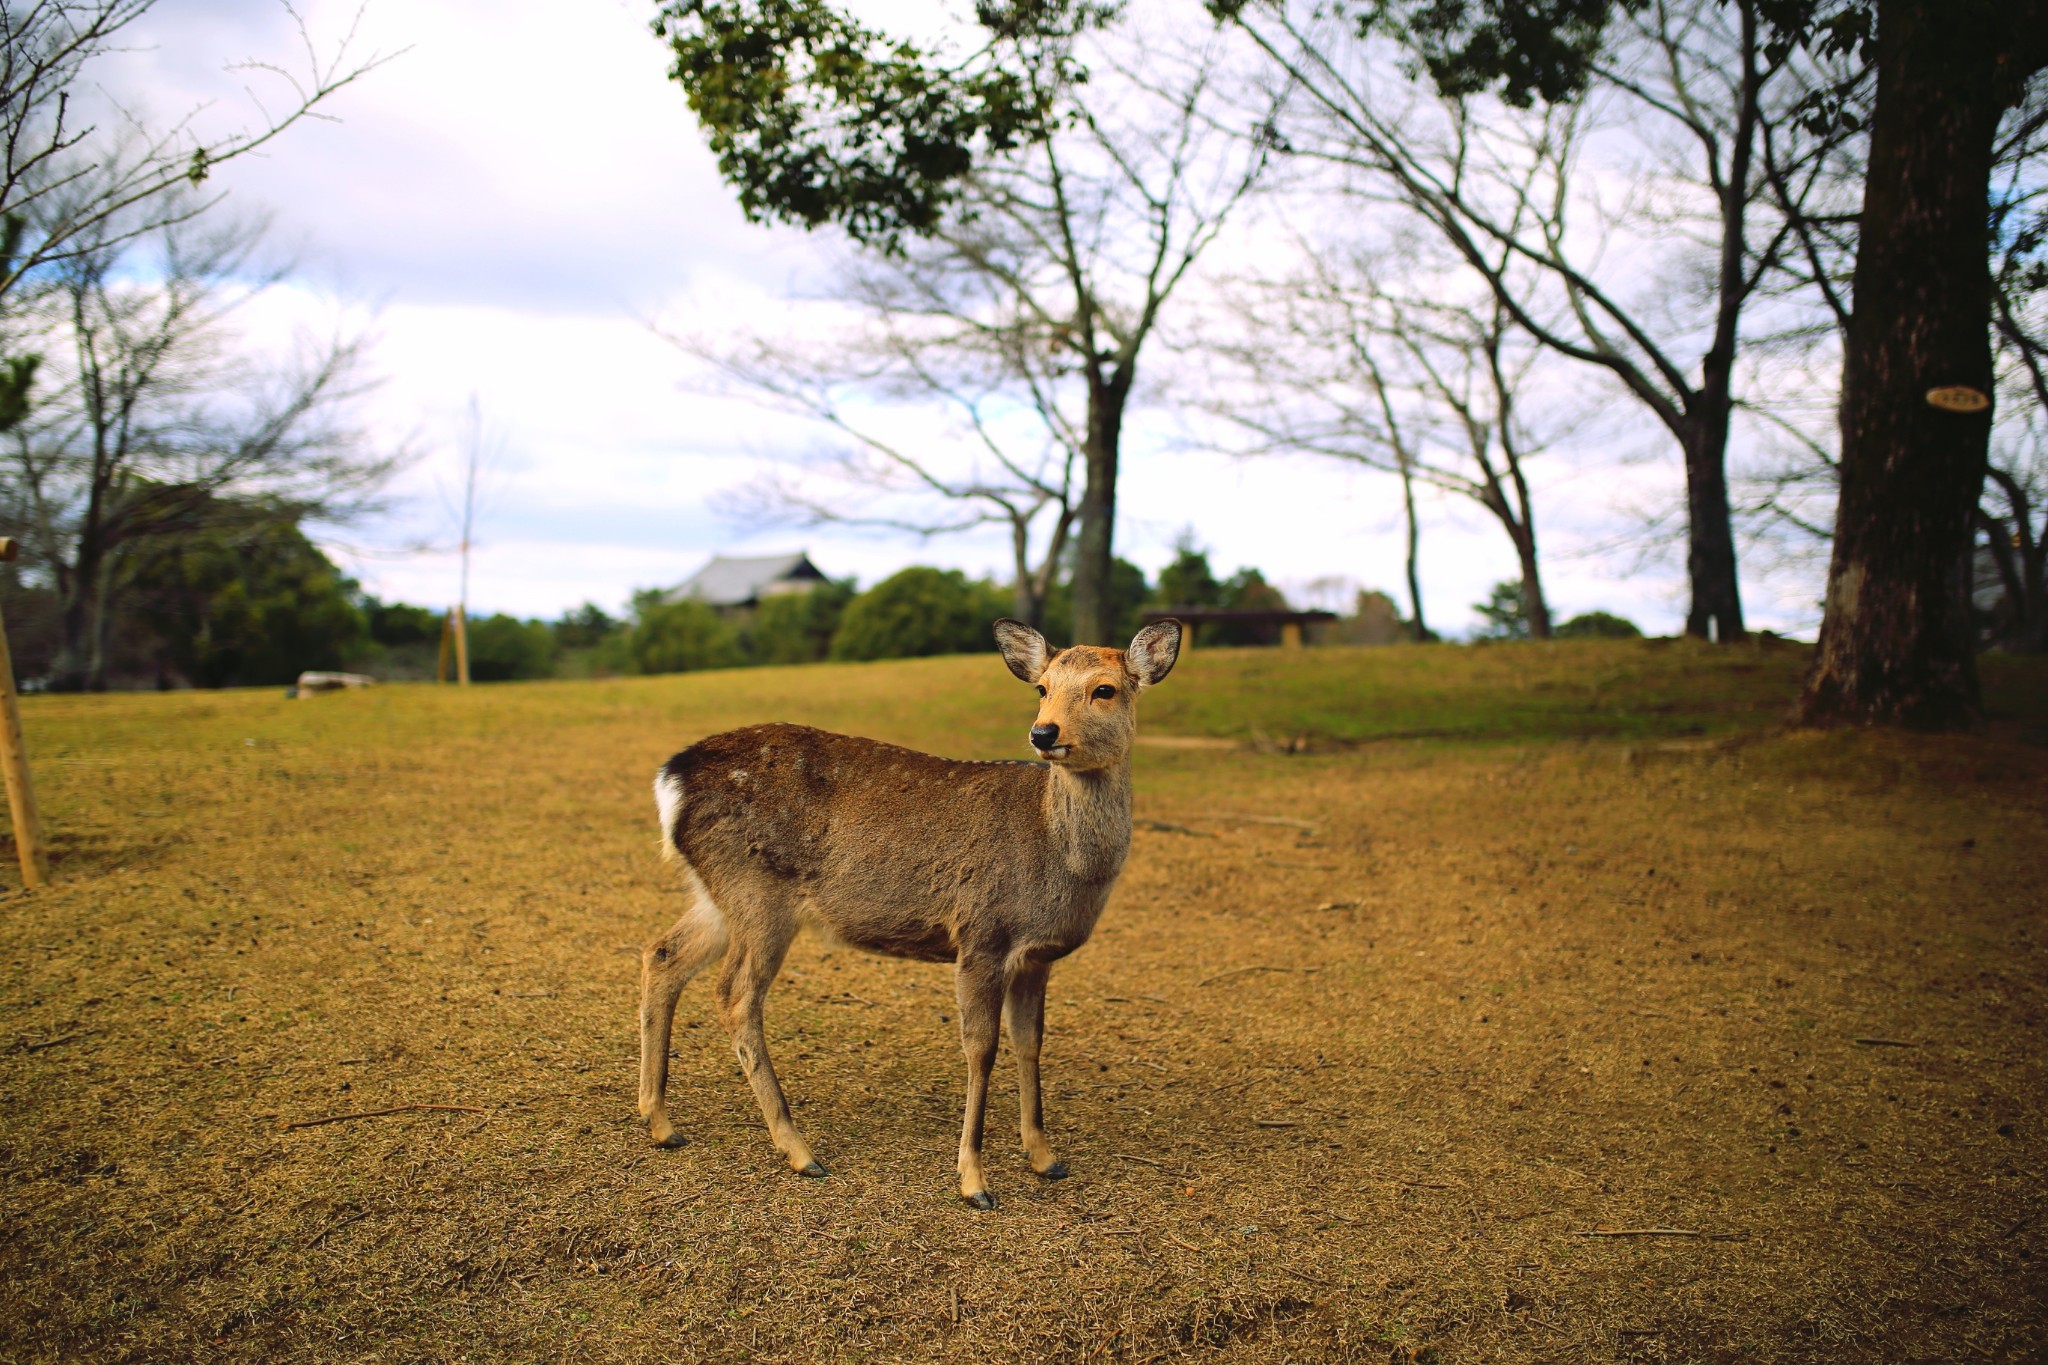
[(1277, 1123), (380, 1113), (337, 1225), (55, 1042), (1335, 905), (1240, 971), (1266, 820), (1141, 1160), (1168, 827), (1187, 1246), (1661, 1232), (1885, 1042)]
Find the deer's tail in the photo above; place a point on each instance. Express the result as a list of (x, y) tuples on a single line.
[(668, 803)]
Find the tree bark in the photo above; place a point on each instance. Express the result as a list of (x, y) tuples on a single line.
[(1716, 611), (1416, 626), (1896, 643), (1094, 613)]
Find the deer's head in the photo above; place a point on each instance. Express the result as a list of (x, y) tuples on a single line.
[(1087, 714)]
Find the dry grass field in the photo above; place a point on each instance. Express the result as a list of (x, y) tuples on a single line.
[(1513, 1004)]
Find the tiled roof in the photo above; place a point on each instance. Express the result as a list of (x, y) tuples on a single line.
[(732, 582)]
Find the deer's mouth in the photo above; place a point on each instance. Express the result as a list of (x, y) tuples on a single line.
[(1056, 751)]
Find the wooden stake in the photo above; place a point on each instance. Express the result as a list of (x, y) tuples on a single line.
[(462, 645), (21, 792), (441, 659)]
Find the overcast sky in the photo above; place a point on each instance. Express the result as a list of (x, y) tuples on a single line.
[(509, 200)]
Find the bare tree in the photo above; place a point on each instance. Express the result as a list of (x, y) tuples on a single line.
[(1011, 456), (149, 424), (1627, 231), (1427, 389), (2012, 515), (1057, 184), (1090, 234), (71, 186)]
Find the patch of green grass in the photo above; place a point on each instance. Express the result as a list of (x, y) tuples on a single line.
[(1521, 691)]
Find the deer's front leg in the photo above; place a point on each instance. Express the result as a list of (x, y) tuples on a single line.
[(1024, 1017), (978, 984)]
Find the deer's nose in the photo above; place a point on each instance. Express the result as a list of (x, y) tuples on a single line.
[(1043, 737)]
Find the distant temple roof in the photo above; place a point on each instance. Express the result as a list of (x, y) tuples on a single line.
[(729, 581)]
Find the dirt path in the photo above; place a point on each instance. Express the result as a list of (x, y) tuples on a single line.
[(1380, 1053)]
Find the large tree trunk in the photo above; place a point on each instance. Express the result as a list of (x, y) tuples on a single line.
[(80, 663), (1094, 613), (1895, 639), (1716, 612), (1026, 604), (1535, 607)]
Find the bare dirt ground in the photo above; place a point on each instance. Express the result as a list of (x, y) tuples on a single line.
[(1663, 1048)]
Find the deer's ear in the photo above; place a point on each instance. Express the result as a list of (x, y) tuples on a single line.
[(1153, 650), (1024, 649)]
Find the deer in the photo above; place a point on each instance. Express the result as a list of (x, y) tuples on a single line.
[(1000, 868)]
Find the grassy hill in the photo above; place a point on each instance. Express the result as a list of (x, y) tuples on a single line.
[(1528, 1002)]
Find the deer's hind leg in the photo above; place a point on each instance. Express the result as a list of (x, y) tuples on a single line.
[(742, 991), (693, 943)]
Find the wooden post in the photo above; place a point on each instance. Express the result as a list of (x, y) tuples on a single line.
[(441, 658), (21, 792), (462, 646), (1290, 635), (1187, 636)]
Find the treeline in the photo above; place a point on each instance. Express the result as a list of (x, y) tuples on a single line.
[(913, 613), (254, 603)]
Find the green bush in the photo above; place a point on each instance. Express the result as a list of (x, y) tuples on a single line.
[(1598, 625), (1188, 581), (796, 627), (918, 612), (584, 628), (678, 637), (247, 606), (1505, 614), (401, 623), (502, 648), (1127, 593)]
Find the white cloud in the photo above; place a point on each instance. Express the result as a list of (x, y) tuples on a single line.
[(505, 201)]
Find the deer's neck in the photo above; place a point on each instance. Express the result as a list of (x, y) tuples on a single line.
[(1089, 816)]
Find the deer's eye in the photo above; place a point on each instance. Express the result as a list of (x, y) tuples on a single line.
[(1104, 692), (1041, 689)]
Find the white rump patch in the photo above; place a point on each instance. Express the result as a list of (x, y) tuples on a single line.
[(704, 911), (668, 804)]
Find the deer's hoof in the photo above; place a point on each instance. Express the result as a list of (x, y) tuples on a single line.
[(814, 1171), (1057, 1171), (981, 1199), (666, 1137)]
